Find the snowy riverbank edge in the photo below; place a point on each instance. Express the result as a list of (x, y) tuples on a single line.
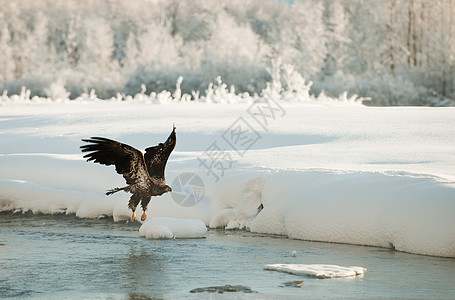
[(407, 214)]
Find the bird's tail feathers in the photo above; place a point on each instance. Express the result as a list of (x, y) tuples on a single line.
[(113, 191)]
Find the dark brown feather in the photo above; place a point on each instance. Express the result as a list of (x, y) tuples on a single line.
[(156, 157), (128, 160)]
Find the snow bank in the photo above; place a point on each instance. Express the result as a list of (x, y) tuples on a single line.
[(405, 213), (168, 228), (237, 200), (66, 183), (316, 270), (19, 195)]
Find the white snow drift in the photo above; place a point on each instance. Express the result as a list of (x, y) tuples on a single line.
[(406, 213), (347, 174)]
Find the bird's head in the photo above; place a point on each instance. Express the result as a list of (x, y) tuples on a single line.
[(166, 189)]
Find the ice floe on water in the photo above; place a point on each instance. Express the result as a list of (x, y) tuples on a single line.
[(317, 270), (169, 228)]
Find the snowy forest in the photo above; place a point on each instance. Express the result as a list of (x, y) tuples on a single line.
[(395, 52)]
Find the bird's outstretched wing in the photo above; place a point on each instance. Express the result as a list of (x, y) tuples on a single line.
[(156, 157), (128, 160)]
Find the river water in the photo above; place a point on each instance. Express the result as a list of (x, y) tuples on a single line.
[(62, 256)]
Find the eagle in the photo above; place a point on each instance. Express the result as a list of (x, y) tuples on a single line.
[(143, 173)]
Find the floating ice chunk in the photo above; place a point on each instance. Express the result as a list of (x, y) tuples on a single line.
[(157, 232), (168, 228), (317, 270)]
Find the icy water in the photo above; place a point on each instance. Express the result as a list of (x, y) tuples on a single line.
[(59, 256)]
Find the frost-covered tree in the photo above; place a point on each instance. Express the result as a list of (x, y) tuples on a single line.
[(336, 37), (17, 25), (6, 57), (232, 41), (37, 47), (310, 39), (73, 41), (130, 58), (441, 56), (157, 45), (99, 45)]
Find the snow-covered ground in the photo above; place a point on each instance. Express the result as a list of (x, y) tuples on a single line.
[(316, 171)]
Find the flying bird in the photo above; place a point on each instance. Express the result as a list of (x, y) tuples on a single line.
[(143, 173)]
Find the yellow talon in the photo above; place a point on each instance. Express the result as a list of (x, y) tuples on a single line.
[(133, 217), (144, 216)]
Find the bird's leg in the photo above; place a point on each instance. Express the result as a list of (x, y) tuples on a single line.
[(133, 217), (144, 204), (144, 215)]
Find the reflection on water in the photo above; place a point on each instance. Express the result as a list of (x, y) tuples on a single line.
[(59, 256), (147, 269)]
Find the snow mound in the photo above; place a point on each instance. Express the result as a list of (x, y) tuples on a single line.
[(168, 228), (237, 201), (21, 195), (317, 270), (408, 214)]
